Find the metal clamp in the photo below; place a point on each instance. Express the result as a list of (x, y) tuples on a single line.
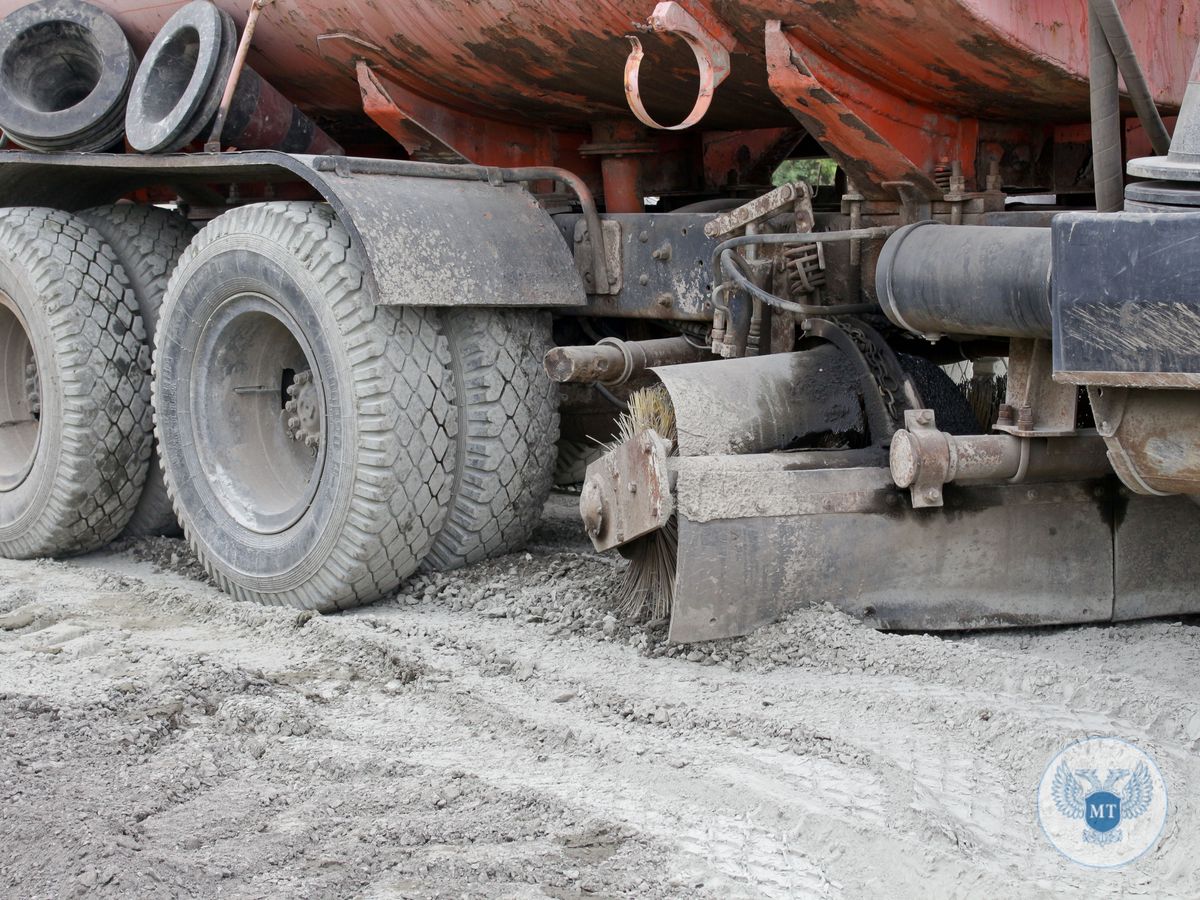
[(712, 58)]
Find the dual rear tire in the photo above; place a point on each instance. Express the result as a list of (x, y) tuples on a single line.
[(317, 447)]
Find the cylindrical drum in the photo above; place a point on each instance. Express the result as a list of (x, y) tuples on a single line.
[(936, 279)]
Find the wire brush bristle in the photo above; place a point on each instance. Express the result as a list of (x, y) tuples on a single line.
[(648, 408), (648, 587)]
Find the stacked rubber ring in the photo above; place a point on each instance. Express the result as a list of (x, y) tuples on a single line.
[(65, 74), (178, 88)]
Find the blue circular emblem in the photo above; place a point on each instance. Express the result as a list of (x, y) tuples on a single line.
[(1102, 802)]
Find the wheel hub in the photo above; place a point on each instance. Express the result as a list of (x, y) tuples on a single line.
[(257, 413), (303, 410)]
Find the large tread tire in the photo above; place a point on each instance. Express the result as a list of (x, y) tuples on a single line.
[(149, 241), (93, 367), (574, 457), (508, 428), (390, 425)]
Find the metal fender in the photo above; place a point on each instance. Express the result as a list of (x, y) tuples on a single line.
[(431, 240)]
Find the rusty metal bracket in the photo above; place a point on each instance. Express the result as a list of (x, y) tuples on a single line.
[(710, 41), (586, 255), (213, 144), (379, 104), (922, 458), (875, 166), (1036, 405), (782, 198), (627, 493)]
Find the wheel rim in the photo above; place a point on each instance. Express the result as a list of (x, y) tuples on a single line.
[(262, 462), (20, 398)]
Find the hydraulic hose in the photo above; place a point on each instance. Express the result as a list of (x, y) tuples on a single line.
[(730, 269), (1108, 169), (726, 262), (1131, 70)]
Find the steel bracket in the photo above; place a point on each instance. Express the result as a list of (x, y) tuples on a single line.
[(1036, 405), (922, 459), (627, 492), (875, 166), (711, 43), (585, 257), (797, 195)]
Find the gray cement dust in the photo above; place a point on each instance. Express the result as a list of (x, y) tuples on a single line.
[(493, 733)]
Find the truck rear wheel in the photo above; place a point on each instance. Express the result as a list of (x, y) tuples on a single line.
[(148, 241), (306, 434), (75, 424), (507, 429)]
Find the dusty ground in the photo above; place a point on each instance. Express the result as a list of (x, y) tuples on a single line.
[(492, 734)]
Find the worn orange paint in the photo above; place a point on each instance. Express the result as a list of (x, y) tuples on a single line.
[(561, 61), (922, 75)]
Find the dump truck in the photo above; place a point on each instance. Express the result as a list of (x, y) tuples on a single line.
[(883, 304)]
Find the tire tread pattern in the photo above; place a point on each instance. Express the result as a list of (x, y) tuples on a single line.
[(103, 361), (149, 241), (508, 414), (402, 398)]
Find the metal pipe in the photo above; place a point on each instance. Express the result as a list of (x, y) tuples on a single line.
[(614, 361), (587, 204), (1131, 70), (213, 144), (927, 457), (1107, 164)]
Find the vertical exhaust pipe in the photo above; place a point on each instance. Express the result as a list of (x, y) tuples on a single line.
[(177, 92), (65, 73)]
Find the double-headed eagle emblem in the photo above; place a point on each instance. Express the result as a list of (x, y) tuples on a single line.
[(1102, 805)]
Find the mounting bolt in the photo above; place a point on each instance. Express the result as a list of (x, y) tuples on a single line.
[(1006, 415), (933, 495), (924, 417), (591, 509), (1025, 418)]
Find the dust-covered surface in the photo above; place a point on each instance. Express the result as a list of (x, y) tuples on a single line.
[(493, 734)]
